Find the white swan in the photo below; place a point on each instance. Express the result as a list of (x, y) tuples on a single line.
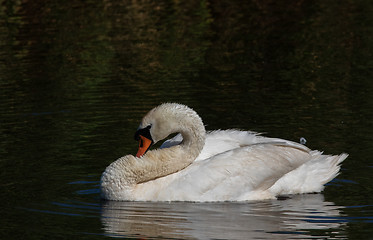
[(215, 166)]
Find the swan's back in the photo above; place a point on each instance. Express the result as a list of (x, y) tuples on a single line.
[(220, 141), (257, 171)]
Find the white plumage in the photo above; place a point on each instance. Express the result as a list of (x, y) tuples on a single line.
[(227, 165)]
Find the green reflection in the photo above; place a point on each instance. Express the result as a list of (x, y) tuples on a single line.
[(76, 78)]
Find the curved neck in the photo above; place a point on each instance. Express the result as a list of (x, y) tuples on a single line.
[(162, 162), (193, 139), (129, 170)]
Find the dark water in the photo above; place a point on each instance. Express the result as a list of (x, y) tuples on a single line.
[(76, 78)]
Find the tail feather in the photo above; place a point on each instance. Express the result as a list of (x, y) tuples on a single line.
[(311, 176)]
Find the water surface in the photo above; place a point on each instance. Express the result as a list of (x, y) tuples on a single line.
[(76, 78)]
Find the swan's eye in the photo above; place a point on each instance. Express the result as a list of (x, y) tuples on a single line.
[(141, 144), (143, 132)]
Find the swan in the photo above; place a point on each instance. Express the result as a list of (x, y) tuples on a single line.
[(221, 165)]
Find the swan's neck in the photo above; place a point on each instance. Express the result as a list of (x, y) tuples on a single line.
[(128, 171)]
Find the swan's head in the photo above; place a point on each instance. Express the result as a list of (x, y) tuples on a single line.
[(164, 120)]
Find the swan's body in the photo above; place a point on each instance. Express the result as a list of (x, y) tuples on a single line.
[(215, 166)]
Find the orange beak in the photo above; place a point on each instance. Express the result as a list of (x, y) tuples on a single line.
[(144, 145)]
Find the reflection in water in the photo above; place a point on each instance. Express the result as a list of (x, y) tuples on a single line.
[(77, 76), (298, 217)]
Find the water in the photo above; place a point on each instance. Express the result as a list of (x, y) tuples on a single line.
[(76, 78)]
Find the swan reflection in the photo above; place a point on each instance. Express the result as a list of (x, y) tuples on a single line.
[(297, 217)]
